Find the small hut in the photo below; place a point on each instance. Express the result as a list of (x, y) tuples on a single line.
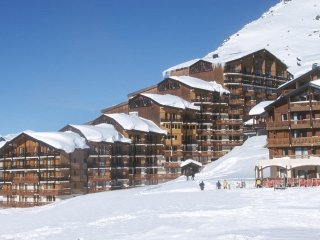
[(190, 164)]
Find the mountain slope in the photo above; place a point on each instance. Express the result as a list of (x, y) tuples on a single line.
[(290, 30)]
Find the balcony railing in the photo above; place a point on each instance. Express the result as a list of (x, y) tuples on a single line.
[(26, 179), (278, 142), (295, 142), (171, 165), (297, 124), (54, 192), (236, 101), (277, 125)]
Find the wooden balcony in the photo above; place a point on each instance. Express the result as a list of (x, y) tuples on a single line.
[(236, 91), (305, 141), (171, 165), (227, 132), (235, 111), (218, 154), (22, 204), (54, 192), (26, 192), (104, 178), (299, 106), (8, 192), (99, 189), (298, 124), (277, 125), (316, 123), (226, 143), (236, 101), (168, 176), (278, 142), (249, 93), (26, 179), (315, 105), (229, 122)]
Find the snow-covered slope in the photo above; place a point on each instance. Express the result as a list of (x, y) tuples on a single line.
[(177, 210), (290, 30)]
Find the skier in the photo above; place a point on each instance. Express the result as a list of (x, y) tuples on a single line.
[(218, 185), (225, 184), (201, 185)]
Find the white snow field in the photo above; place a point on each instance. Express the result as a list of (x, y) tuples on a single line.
[(178, 209)]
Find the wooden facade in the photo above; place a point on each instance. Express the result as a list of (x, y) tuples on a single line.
[(293, 129), (145, 156), (33, 172), (214, 134)]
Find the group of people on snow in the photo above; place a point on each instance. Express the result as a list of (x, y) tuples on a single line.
[(189, 172)]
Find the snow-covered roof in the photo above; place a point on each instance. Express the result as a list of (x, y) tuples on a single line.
[(188, 161), (171, 101), (134, 122), (181, 65), (200, 84), (101, 133), (316, 82), (66, 141), (259, 108), (287, 162), (249, 122), (2, 143)]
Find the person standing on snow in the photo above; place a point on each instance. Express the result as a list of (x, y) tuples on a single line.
[(218, 185), (225, 184), (202, 185)]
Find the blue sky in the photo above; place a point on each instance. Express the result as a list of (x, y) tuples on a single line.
[(62, 61)]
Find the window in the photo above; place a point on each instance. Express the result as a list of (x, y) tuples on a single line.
[(284, 117)]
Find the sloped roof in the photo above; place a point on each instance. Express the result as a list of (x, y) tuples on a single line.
[(200, 84), (134, 122), (171, 101), (188, 161), (101, 133), (259, 108), (66, 141)]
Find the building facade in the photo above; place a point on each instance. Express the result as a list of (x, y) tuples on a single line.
[(293, 132)]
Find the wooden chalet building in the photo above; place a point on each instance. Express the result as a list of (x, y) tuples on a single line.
[(293, 127), (108, 156), (145, 163), (251, 77), (215, 133), (37, 168), (178, 117)]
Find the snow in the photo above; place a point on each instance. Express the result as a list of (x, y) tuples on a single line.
[(316, 82), (134, 122), (188, 161), (101, 133), (181, 65), (259, 108), (200, 84), (171, 101), (178, 210), (286, 162), (249, 122), (66, 141), (288, 30)]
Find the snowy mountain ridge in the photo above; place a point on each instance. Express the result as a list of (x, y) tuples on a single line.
[(290, 30)]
